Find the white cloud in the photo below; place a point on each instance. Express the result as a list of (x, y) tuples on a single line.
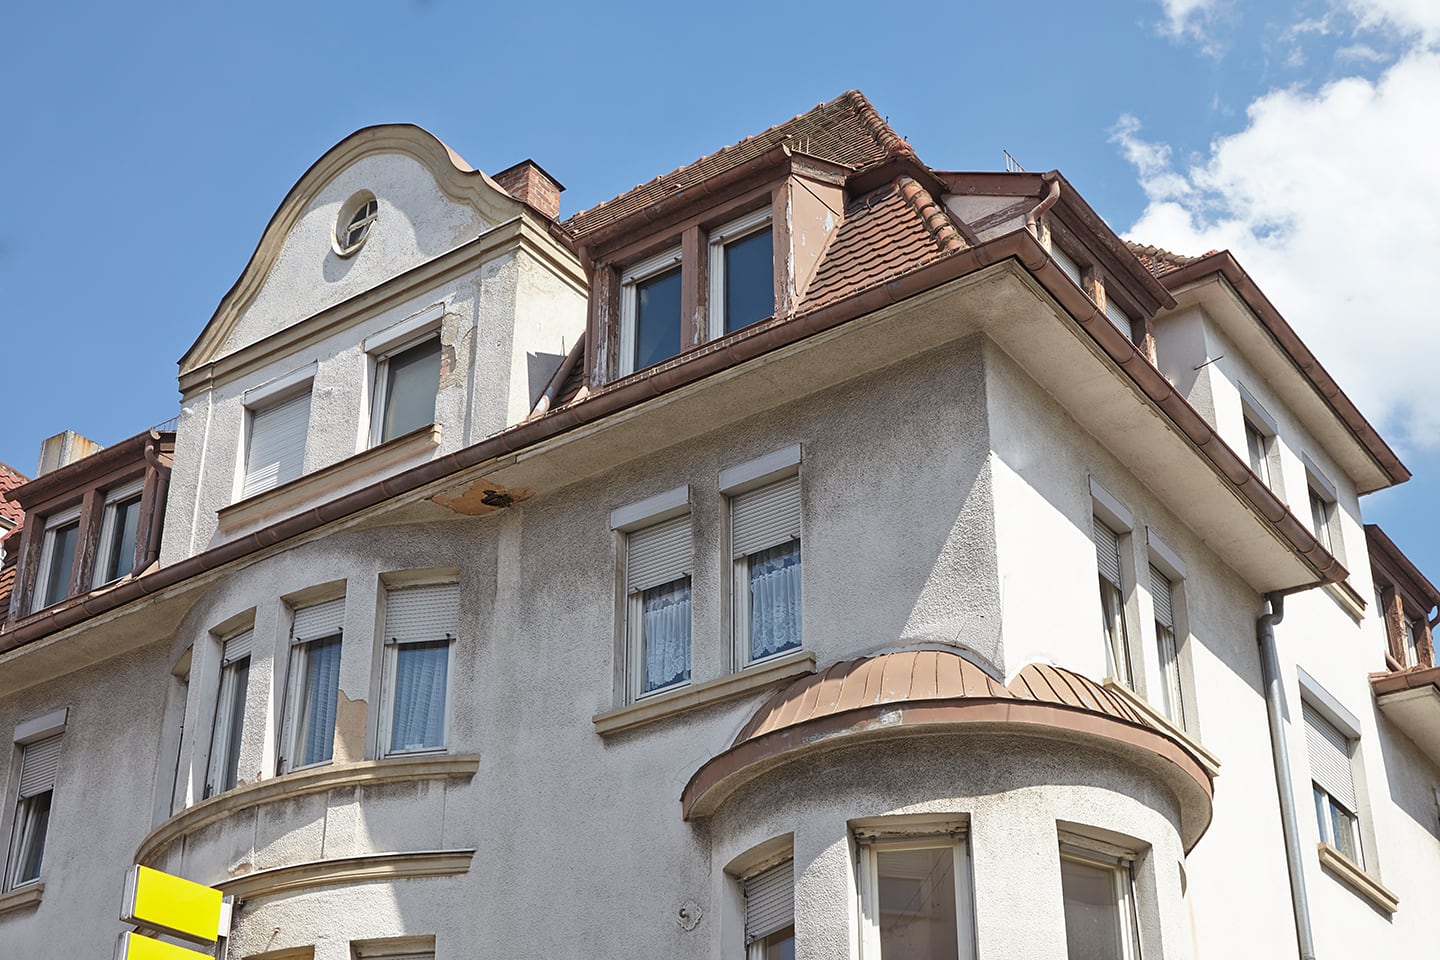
[(1414, 18), (1328, 200)]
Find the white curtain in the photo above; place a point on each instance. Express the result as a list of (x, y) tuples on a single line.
[(775, 600), (420, 675), (321, 687), (665, 626)]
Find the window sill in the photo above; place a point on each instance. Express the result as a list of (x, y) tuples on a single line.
[(362, 466), (1349, 600), (318, 779), (738, 684), (1208, 760), (21, 897), (1358, 880)]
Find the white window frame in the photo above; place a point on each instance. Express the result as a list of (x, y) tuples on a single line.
[(722, 236), (1318, 703), (1108, 512), (113, 499), (290, 726), (395, 339), (1119, 319), (630, 280), (266, 398), (1175, 692), (626, 522), (1324, 503), (869, 844), (761, 473), (389, 671), (51, 726), (47, 549), (1122, 870), (219, 763)]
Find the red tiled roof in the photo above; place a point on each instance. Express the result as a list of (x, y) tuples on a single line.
[(10, 478), (846, 130), (1160, 261), (887, 232)]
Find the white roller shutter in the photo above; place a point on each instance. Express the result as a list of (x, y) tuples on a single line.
[(276, 451), (237, 647), (320, 621), (38, 764), (422, 614), (1329, 751), (1107, 553), (657, 554), (765, 518), (1163, 596), (1063, 261), (770, 901), (1120, 319)]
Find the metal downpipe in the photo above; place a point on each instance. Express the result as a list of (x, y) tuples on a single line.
[(1280, 753)]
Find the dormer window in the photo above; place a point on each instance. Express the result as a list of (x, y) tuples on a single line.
[(742, 273), (650, 312), (118, 530), (57, 558)]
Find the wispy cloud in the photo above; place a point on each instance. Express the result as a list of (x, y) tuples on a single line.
[(1191, 20)]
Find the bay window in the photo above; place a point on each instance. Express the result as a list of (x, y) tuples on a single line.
[(770, 913), (421, 625), (1098, 890), (308, 729), (916, 901), (229, 724)]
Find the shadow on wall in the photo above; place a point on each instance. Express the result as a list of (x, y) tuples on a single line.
[(539, 368), (1409, 775)]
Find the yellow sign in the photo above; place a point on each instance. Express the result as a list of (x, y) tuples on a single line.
[(135, 947), (172, 905)]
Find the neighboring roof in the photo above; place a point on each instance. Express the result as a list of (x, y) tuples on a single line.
[(886, 232), (1157, 260), (10, 478), (940, 691), (846, 130), (1383, 548)]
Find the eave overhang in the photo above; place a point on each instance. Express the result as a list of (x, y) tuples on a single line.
[(1410, 699)]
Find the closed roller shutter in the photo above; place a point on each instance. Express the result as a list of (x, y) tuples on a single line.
[(765, 518), (1107, 553), (1163, 595), (657, 554), (770, 901), (421, 614), (322, 620), (276, 452), (1329, 759), (237, 647), (38, 765)]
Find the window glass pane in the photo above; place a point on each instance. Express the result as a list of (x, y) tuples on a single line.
[(917, 904), (319, 687), (418, 721), (657, 319), (62, 559), (1092, 911), (240, 679), (1170, 667), (749, 280), (412, 379), (1117, 653), (774, 600), (122, 541), (32, 819), (665, 634), (1255, 442), (780, 946), (1342, 829), (1320, 518)]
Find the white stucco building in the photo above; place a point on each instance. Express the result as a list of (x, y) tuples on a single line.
[(808, 553)]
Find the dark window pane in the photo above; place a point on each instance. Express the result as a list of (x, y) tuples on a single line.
[(236, 706), (62, 559), (657, 319), (32, 820), (122, 540), (412, 378), (749, 280)]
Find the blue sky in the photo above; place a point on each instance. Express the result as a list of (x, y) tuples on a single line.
[(148, 146)]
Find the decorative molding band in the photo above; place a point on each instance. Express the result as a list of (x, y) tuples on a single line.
[(1358, 880), (1208, 760), (366, 773), (21, 897), (280, 500), (278, 881), (728, 687)]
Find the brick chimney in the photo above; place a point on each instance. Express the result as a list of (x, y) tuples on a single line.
[(528, 182)]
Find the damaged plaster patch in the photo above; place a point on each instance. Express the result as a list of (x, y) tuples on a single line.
[(350, 723), (481, 497)]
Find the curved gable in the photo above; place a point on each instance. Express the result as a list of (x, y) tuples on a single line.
[(429, 200)]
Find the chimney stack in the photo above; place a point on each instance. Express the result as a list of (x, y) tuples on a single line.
[(64, 449), (528, 182)]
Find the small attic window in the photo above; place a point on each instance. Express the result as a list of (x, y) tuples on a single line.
[(353, 226)]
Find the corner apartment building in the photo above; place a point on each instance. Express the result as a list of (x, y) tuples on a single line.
[(807, 553)]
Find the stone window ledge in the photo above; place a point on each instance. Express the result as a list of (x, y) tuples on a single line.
[(1358, 880), (1349, 600), (312, 486), (741, 683), (21, 897), (310, 780)]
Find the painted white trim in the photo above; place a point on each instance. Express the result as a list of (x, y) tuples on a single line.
[(1110, 509), (760, 471), (643, 513), (379, 369), (634, 274), (39, 728), (271, 390), (736, 229), (107, 529), (1163, 557), (1322, 702), (394, 336), (62, 518)]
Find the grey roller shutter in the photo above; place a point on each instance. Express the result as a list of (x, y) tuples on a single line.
[(276, 451), (657, 554), (770, 901), (1119, 318), (1162, 594), (1329, 751), (38, 764), (237, 647), (1071, 268), (1107, 553), (422, 614), (320, 621), (765, 518)]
